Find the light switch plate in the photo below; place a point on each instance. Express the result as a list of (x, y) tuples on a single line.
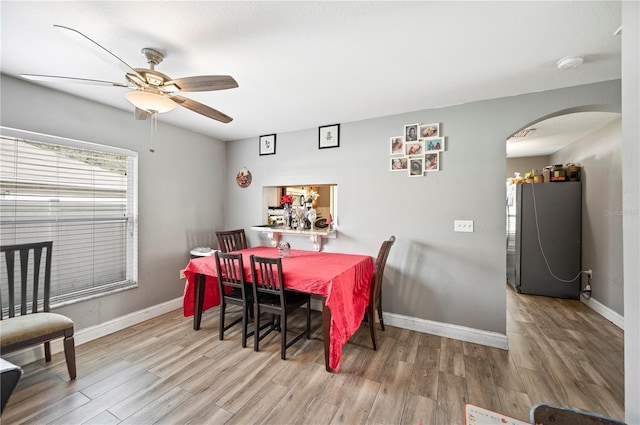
[(463, 226)]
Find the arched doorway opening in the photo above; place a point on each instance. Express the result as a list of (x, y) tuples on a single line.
[(590, 137)]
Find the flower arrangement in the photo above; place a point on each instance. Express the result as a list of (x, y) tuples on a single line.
[(286, 199), (299, 212), (312, 196)]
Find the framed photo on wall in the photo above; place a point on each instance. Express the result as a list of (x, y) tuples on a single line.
[(416, 166), (397, 145), (268, 144), (434, 145), (399, 163), (411, 132), (430, 130), (329, 136), (432, 162), (413, 148)]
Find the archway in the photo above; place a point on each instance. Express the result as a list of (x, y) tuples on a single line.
[(589, 136)]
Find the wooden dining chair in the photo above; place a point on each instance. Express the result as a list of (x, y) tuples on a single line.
[(547, 414), (270, 296), (232, 240), (375, 297), (234, 289), (29, 320)]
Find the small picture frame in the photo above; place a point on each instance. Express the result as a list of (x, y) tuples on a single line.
[(416, 166), (267, 144), (432, 162), (413, 148), (329, 136), (397, 145), (435, 144), (429, 130), (411, 132), (400, 163)]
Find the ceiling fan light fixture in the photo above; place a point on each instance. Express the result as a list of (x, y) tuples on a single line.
[(170, 88), (136, 80), (150, 101)]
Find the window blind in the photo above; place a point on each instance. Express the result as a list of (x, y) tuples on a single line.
[(81, 196)]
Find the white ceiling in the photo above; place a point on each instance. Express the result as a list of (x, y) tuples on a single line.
[(306, 64), (553, 134)]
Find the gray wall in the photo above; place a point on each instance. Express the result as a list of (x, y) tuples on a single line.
[(432, 273), (526, 164), (175, 212), (631, 205), (170, 221), (599, 154)]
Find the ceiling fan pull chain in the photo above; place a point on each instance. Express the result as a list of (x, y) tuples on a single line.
[(154, 128)]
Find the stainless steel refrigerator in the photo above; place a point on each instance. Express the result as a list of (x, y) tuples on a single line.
[(544, 220)]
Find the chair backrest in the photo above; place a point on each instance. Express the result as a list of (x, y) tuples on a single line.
[(33, 284), (267, 276), (232, 240), (381, 262), (230, 272)]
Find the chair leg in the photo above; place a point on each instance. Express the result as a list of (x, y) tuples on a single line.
[(249, 309), (221, 331), (47, 351), (245, 319), (309, 318), (70, 356), (379, 307), (256, 327), (283, 336), (275, 319), (372, 325)]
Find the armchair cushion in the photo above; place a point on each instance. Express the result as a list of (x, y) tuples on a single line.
[(22, 328)]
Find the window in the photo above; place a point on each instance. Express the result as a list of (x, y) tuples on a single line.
[(81, 196)]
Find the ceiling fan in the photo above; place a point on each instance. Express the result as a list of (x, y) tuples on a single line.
[(154, 92)]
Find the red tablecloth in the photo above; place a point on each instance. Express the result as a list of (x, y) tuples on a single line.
[(343, 279)]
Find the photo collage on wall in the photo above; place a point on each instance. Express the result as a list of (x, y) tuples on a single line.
[(417, 151)]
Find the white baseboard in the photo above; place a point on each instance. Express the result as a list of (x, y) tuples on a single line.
[(82, 336), (604, 311), (463, 333), (477, 336)]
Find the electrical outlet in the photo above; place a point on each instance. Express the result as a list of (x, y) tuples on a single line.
[(589, 273), (463, 226), (181, 274)]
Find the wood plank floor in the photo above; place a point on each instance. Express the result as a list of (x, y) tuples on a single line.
[(161, 371)]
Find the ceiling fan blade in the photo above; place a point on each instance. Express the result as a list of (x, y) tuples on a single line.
[(204, 83), (56, 79), (98, 50), (141, 114), (202, 109)]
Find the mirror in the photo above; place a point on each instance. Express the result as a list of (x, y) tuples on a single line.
[(325, 204)]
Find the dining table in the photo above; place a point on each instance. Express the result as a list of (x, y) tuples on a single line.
[(342, 280)]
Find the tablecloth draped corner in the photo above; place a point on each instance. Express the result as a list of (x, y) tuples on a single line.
[(211, 294)]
